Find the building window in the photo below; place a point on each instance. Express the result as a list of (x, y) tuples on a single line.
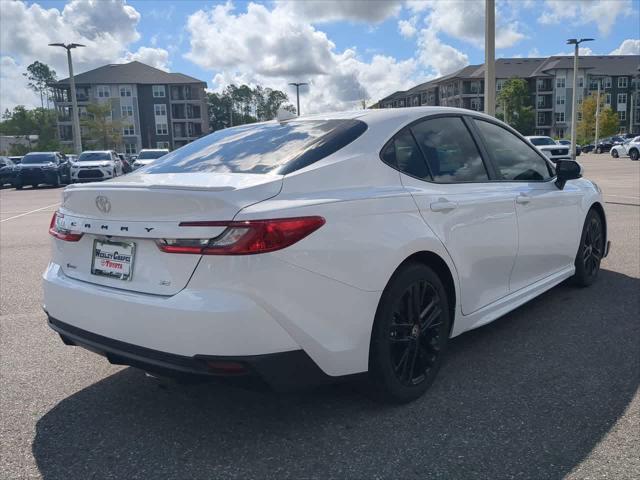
[(560, 82), (607, 82), (623, 130), (579, 116), (560, 100), (162, 129), (160, 109), (560, 132), (103, 91), (560, 117), (475, 104), (128, 130), (126, 111), (622, 98), (130, 148), (622, 115), (499, 85), (158, 91), (593, 84), (608, 99), (125, 91), (580, 100), (623, 82), (581, 82), (541, 118), (401, 103), (163, 145)]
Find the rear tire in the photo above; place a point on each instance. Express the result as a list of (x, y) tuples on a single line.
[(633, 154), (591, 250), (614, 153), (410, 334), (598, 151)]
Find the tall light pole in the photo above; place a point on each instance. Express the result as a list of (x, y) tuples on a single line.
[(595, 142), (75, 118), (574, 102), (298, 85), (490, 58)]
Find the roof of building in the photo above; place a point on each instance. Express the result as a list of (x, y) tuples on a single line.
[(596, 64), (132, 72)]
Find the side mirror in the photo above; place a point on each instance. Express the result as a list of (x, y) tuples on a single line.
[(567, 170)]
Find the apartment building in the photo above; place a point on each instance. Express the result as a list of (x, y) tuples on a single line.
[(550, 83), (156, 109)]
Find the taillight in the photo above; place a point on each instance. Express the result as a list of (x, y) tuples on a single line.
[(245, 238), (55, 229)]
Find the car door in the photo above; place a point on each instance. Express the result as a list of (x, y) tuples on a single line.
[(549, 219), (442, 167)]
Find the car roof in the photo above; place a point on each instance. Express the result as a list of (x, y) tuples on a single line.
[(97, 151)]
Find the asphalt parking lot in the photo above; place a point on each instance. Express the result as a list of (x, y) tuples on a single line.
[(548, 391)]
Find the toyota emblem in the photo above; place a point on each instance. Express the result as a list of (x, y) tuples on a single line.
[(103, 204)]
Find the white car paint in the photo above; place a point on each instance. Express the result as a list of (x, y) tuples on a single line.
[(503, 242), (550, 148), (83, 170), (147, 156), (629, 148)]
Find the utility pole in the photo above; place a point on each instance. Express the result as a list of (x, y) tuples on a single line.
[(574, 116), (75, 117), (595, 143), (298, 85), (490, 58), (631, 113)]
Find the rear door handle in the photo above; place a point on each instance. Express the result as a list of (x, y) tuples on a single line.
[(443, 205), (523, 199)]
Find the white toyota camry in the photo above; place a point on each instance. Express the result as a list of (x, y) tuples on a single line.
[(320, 247)]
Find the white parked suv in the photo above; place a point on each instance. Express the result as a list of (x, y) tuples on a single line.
[(320, 247), (630, 147), (148, 155), (549, 147), (95, 165)]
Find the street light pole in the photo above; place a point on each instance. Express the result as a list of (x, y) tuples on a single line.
[(75, 117), (574, 116), (595, 143), (490, 58), (298, 85)]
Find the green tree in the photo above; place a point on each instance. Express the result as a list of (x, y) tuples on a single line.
[(515, 100), (39, 121), (40, 75), (609, 122), (102, 131)]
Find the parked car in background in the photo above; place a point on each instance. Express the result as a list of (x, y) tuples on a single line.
[(604, 144), (567, 143), (51, 168), (126, 166), (550, 148), (587, 148), (148, 155), (248, 253), (630, 147), (72, 157), (7, 171), (95, 165), (16, 159)]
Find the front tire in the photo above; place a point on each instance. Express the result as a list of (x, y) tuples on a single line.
[(614, 153), (633, 154), (410, 334), (591, 250), (598, 150)]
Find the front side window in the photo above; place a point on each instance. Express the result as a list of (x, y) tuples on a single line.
[(158, 91), (451, 153), (514, 159)]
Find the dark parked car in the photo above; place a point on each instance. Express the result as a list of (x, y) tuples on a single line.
[(587, 148), (605, 144), (51, 168), (16, 160), (7, 171), (568, 143)]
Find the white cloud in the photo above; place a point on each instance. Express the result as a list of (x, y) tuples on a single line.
[(10, 94), (629, 46), (407, 28), (317, 11), (438, 56), (601, 12), (264, 46), (156, 57), (585, 51)]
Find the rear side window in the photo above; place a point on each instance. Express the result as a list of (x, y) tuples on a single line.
[(269, 147), (513, 158), (451, 153), (403, 153)]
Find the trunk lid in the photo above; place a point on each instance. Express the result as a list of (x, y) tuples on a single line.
[(140, 208)]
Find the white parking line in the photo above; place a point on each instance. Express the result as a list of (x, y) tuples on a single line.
[(27, 213)]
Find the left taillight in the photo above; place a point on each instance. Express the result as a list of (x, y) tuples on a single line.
[(248, 237), (56, 229)]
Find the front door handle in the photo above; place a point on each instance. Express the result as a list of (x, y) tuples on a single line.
[(443, 205), (523, 199)]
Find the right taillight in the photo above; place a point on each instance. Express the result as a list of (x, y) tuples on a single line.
[(245, 238), (60, 233)]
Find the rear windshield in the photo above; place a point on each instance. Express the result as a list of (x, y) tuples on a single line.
[(543, 141), (38, 158), (93, 156), (152, 154), (261, 148)]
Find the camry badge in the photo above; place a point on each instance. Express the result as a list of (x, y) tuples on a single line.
[(103, 204)]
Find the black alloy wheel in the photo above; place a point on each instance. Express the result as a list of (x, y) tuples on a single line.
[(591, 251), (410, 334)]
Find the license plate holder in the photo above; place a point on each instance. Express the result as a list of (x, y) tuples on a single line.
[(113, 259)]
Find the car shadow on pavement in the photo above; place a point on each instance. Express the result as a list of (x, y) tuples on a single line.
[(528, 396)]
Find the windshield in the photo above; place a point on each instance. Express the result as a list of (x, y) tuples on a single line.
[(39, 158), (262, 147), (543, 141), (151, 154), (93, 156)]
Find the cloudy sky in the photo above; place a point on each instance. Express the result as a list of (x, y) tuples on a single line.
[(346, 49)]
